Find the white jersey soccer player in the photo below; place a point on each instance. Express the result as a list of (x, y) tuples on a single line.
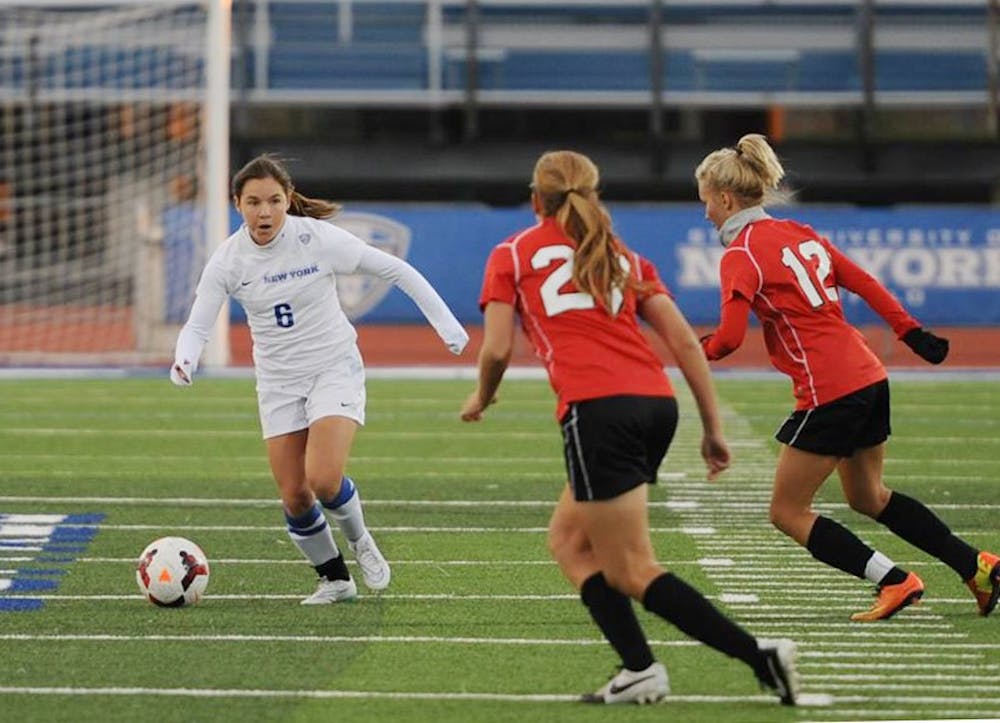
[(288, 289), (282, 267)]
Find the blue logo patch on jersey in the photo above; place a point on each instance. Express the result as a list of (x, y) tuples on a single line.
[(360, 293), (305, 238)]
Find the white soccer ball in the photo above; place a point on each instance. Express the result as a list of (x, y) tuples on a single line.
[(172, 572)]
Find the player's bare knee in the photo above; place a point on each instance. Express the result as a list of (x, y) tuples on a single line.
[(631, 580), (871, 503), (564, 544), (297, 501)]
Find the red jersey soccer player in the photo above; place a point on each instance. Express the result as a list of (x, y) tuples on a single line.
[(578, 291), (789, 276)]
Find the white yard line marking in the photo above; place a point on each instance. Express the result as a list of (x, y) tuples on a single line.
[(366, 695), (234, 638)]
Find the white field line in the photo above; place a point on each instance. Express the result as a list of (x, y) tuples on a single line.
[(450, 529), (677, 502), (369, 695), (936, 666), (408, 639), (939, 677), (971, 712), (806, 613), (392, 639)]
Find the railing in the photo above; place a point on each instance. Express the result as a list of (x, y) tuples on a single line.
[(625, 53), (706, 53)]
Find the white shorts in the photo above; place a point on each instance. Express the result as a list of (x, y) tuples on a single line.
[(337, 392)]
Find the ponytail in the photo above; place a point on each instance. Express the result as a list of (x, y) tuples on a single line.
[(565, 184), (750, 170), (268, 166)]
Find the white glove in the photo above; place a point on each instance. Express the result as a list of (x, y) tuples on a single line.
[(457, 343), (182, 373)]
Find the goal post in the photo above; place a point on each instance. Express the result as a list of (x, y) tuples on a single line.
[(114, 153)]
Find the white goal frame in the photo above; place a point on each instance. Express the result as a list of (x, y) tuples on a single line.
[(154, 334)]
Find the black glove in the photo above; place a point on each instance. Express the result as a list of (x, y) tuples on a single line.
[(926, 345)]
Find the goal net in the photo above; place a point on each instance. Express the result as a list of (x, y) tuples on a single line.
[(110, 151)]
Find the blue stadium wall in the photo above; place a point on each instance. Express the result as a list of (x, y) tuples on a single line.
[(944, 263)]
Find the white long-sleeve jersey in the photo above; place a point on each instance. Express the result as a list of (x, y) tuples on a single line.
[(289, 291)]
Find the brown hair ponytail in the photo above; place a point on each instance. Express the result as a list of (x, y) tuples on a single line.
[(268, 166)]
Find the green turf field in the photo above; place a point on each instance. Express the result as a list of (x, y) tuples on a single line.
[(478, 624)]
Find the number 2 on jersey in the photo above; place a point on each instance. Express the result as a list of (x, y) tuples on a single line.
[(811, 284), (556, 302)]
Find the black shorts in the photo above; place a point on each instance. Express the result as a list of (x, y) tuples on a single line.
[(614, 444), (843, 426)]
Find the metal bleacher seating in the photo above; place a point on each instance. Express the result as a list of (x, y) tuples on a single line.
[(585, 52), (753, 52)]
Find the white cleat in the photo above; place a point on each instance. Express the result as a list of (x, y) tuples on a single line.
[(331, 591), (782, 677), (633, 686), (374, 568)]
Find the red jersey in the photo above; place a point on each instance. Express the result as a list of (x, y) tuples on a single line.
[(587, 352), (790, 275)]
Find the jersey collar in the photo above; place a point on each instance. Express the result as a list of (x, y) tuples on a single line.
[(732, 226)]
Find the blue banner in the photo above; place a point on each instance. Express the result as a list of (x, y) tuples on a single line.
[(943, 263)]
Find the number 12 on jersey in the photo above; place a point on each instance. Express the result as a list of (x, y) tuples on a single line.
[(811, 280)]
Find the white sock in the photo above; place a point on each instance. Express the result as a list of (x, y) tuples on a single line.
[(877, 567), (345, 509), (311, 534)]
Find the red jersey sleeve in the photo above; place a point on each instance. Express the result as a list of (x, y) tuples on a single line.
[(650, 278), (738, 275), (499, 283), (732, 329), (854, 278)]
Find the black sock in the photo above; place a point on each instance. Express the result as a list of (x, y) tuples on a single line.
[(334, 569), (893, 577), (914, 522), (613, 613), (833, 544), (680, 604)]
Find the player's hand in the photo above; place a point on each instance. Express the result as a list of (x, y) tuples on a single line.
[(472, 410), (458, 342), (928, 346), (715, 452), (182, 373)]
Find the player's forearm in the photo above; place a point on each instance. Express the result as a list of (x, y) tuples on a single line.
[(196, 332), (491, 371), (854, 278), (412, 283), (732, 330), (698, 376)]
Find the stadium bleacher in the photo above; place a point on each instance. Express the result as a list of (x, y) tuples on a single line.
[(334, 51)]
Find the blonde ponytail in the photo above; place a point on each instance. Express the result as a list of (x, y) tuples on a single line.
[(750, 170), (565, 183)]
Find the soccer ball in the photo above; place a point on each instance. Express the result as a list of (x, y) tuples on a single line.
[(172, 572)]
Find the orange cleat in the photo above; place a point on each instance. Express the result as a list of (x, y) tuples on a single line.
[(892, 599), (985, 584)]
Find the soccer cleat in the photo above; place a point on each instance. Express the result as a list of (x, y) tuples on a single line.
[(780, 674), (331, 591), (633, 686), (374, 568), (985, 584), (893, 598)]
